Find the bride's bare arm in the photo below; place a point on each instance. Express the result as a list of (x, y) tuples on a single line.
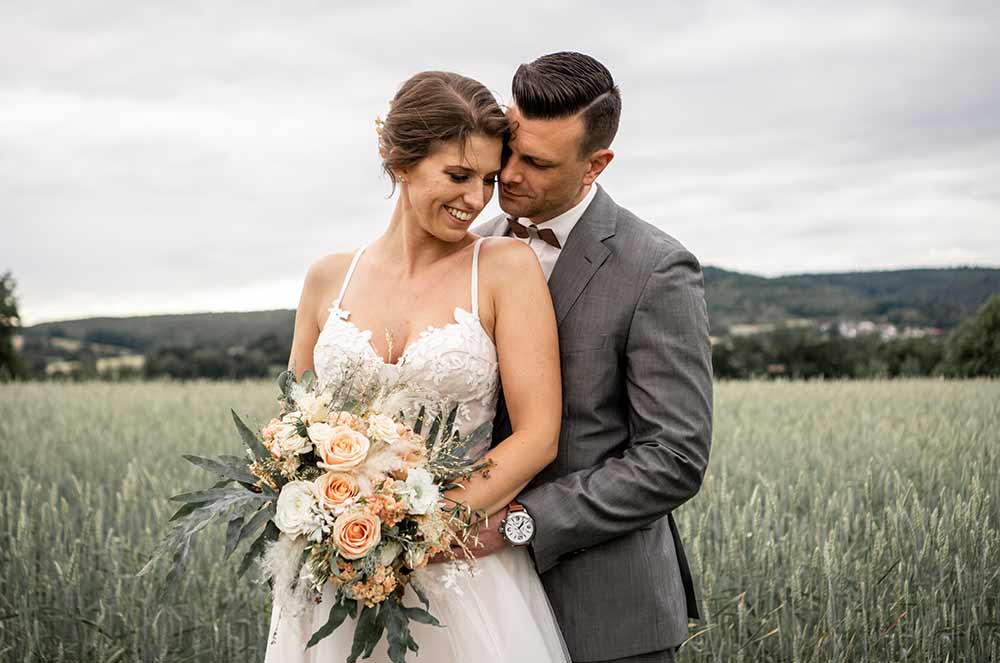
[(318, 283), (528, 352)]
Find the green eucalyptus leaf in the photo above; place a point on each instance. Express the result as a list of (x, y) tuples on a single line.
[(254, 524), (233, 528), (418, 424), (224, 468), (338, 613), (367, 632), (250, 438), (270, 533)]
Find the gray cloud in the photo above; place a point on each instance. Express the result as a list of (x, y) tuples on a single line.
[(178, 157)]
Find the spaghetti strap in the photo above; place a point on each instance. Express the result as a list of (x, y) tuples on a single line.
[(347, 277), (475, 277)]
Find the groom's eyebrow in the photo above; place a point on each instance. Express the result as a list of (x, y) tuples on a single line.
[(541, 161)]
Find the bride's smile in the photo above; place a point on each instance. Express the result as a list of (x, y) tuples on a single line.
[(445, 192)]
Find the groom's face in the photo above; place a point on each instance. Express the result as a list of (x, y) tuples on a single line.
[(543, 172)]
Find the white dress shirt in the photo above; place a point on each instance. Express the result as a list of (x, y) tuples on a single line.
[(560, 225)]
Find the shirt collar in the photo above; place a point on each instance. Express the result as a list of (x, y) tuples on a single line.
[(563, 224)]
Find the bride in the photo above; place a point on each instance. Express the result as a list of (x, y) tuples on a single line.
[(452, 314)]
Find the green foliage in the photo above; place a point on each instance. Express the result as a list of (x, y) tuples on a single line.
[(793, 352), (860, 520), (973, 349), (10, 323)]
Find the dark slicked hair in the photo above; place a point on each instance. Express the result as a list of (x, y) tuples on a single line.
[(566, 83)]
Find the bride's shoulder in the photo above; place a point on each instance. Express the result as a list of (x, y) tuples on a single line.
[(326, 272), (499, 255)]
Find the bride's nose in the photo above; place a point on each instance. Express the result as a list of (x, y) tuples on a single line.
[(473, 196)]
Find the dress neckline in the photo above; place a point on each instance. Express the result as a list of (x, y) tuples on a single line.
[(344, 314)]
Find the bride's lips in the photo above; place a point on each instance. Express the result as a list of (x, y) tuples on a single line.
[(459, 221)]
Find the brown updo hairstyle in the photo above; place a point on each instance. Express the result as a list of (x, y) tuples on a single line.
[(433, 108)]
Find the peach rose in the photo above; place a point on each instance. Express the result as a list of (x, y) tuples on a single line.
[(333, 489), (268, 433), (339, 447), (355, 533)]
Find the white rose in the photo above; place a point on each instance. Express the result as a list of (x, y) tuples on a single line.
[(315, 408), (288, 440), (320, 434), (383, 428), (390, 550), (419, 490), (295, 514)]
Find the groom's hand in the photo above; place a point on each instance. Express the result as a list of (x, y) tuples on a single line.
[(488, 541)]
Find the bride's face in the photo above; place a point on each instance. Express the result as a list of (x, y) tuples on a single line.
[(446, 191)]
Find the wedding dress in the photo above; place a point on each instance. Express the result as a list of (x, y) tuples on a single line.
[(499, 614)]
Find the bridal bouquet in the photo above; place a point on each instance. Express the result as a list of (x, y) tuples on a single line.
[(338, 489)]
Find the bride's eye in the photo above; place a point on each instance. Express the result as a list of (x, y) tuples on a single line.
[(490, 181), (458, 179)]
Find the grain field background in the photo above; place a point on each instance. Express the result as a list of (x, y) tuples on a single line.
[(839, 521)]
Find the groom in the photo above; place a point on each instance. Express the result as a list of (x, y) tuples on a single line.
[(636, 370)]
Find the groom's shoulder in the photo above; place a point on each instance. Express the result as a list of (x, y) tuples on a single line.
[(648, 243)]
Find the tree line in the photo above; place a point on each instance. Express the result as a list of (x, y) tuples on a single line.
[(972, 349)]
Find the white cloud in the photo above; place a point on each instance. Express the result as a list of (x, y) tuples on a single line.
[(178, 158)]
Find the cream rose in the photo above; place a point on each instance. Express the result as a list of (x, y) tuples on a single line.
[(294, 513), (286, 436), (335, 489), (383, 428), (315, 408), (339, 447), (355, 533)]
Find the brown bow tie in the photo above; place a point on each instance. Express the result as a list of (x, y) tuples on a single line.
[(524, 232)]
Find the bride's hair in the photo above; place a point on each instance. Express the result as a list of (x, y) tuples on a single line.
[(432, 108)]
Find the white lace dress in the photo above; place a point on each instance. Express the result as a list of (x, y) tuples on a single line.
[(499, 614)]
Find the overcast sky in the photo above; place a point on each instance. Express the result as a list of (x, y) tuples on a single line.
[(167, 157)]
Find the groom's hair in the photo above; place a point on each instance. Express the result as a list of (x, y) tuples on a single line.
[(566, 83)]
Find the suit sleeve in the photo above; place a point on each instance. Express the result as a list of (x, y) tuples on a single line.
[(668, 393)]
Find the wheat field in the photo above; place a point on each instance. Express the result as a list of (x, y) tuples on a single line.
[(839, 521)]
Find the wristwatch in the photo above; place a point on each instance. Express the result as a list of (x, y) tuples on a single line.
[(518, 527)]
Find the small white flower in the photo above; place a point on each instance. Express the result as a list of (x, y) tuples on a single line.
[(419, 491), (296, 511)]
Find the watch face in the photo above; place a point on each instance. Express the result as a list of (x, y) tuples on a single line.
[(519, 528)]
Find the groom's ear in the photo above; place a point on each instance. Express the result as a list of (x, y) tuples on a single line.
[(598, 161)]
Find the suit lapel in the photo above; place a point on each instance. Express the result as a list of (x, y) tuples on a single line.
[(583, 254)]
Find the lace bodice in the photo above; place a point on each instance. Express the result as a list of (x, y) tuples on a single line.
[(454, 364)]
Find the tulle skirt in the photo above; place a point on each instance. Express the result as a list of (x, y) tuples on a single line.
[(500, 614)]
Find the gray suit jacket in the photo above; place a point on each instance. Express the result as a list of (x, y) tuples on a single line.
[(636, 431)]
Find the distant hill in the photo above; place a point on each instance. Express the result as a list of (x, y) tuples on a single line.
[(915, 297), (146, 333)]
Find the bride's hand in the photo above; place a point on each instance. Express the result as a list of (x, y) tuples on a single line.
[(489, 541)]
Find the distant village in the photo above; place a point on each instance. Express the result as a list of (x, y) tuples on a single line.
[(112, 361)]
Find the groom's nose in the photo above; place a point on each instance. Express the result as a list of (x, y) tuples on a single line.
[(510, 173)]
